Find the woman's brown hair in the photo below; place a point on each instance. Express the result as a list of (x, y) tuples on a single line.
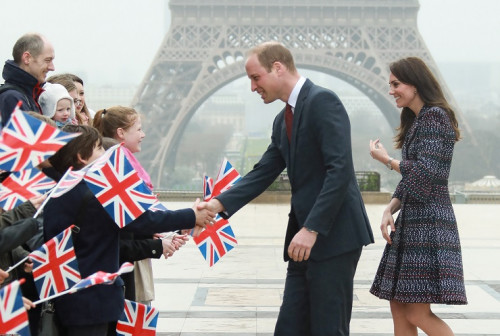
[(413, 71)]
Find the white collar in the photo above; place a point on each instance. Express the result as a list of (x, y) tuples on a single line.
[(292, 100)]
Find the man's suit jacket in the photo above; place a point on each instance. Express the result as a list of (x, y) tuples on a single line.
[(325, 194)]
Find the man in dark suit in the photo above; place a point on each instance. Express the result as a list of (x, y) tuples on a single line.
[(327, 225)]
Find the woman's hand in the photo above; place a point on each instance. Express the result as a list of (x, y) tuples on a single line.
[(378, 152), (387, 221)]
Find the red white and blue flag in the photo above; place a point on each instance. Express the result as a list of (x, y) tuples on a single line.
[(208, 186), (218, 239), (13, 316), (158, 206), (227, 177), (137, 320), (120, 190), (25, 141), (55, 268), (67, 182), (101, 277), (20, 186)]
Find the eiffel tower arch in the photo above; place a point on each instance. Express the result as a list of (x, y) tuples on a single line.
[(207, 42)]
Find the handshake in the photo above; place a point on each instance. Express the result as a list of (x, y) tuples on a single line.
[(205, 213)]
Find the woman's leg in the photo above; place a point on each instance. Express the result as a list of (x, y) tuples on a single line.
[(402, 327), (421, 315)]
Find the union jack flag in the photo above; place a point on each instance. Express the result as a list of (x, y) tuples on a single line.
[(227, 177), (68, 181), (137, 320), (55, 267), (218, 239), (25, 141), (119, 189), (157, 206), (23, 185), (13, 316), (208, 186), (101, 277), (72, 177)]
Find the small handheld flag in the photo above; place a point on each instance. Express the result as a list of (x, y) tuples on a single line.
[(119, 189), (19, 187), (13, 316), (137, 320), (55, 266), (218, 239), (25, 141)]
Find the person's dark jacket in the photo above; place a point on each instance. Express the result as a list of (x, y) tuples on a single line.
[(325, 194), (28, 90), (17, 234), (13, 253), (97, 249)]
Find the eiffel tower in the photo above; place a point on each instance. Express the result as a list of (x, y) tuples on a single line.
[(205, 48)]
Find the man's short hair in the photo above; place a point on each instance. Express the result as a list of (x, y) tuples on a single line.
[(272, 51), (33, 43)]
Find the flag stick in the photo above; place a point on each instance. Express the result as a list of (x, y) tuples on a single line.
[(67, 291), (19, 263)]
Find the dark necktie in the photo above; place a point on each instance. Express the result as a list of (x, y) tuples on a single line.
[(289, 121)]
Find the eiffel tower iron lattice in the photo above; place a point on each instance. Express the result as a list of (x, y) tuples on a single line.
[(354, 40)]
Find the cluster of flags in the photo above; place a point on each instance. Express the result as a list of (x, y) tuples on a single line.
[(217, 239), (25, 142)]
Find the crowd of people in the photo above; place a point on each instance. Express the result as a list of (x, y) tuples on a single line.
[(327, 226), (99, 244)]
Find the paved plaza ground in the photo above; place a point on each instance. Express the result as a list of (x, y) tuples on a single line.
[(241, 294)]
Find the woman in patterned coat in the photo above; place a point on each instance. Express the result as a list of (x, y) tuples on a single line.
[(422, 261)]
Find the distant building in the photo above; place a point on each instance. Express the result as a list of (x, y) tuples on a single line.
[(488, 184), (485, 190)]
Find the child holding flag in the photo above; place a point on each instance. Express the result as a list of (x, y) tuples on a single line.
[(97, 243)]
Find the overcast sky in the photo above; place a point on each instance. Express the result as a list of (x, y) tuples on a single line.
[(114, 41)]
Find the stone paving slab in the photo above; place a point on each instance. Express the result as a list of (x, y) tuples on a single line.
[(242, 293)]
